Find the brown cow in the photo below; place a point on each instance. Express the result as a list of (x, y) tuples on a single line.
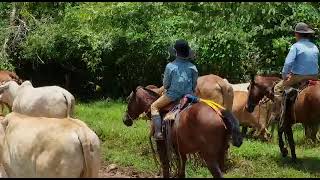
[(4, 77), (257, 120), (8, 76), (215, 88), (209, 87)]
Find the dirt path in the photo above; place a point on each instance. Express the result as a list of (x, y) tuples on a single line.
[(115, 171)]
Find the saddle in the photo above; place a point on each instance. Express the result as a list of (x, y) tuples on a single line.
[(293, 92), (290, 95), (306, 83), (186, 102), (179, 106)]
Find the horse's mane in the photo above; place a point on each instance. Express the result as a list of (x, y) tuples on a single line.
[(151, 92), (273, 75)]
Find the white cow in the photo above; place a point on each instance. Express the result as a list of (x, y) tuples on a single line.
[(32, 147), (47, 101), (239, 87)]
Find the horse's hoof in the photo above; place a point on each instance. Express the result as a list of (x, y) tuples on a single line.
[(294, 159), (284, 152), (237, 143)]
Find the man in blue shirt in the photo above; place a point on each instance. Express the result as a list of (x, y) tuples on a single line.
[(180, 78), (301, 62)]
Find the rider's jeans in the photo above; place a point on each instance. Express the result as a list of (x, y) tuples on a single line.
[(159, 104), (292, 80), (284, 84)]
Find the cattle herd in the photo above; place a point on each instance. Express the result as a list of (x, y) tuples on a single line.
[(40, 137)]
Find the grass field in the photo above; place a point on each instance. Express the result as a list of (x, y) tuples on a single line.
[(128, 146)]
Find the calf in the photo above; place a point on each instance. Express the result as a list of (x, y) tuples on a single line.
[(257, 120)]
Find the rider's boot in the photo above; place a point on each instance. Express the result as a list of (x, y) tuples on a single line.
[(156, 119)]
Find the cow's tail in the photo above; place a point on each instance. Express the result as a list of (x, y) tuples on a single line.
[(227, 94), (90, 151), (70, 104)]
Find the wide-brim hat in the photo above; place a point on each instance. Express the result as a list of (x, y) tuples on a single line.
[(182, 50), (303, 28)]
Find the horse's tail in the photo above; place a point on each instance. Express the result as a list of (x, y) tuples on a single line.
[(233, 127)]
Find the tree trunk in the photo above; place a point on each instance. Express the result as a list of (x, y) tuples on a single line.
[(12, 23), (67, 81)]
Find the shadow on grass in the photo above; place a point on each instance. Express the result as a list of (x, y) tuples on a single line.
[(307, 164)]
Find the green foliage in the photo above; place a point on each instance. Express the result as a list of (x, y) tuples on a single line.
[(122, 45)]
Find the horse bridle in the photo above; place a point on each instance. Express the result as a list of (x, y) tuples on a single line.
[(146, 111), (265, 98), (130, 118)]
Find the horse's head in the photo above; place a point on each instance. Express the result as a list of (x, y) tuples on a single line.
[(139, 101), (259, 87)]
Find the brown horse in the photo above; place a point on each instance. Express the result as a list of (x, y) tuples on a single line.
[(304, 110), (4, 77), (219, 91), (199, 129)]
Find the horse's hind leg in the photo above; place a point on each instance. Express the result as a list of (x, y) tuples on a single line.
[(291, 143), (214, 168), (273, 127), (244, 130), (161, 147), (310, 131), (212, 164), (314, 131), (182, 167), (283, 150)]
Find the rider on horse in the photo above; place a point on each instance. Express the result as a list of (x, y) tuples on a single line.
[(301, 62), (180, 78)]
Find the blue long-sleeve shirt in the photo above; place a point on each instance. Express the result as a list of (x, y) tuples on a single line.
[(180, 78), (302, 59)]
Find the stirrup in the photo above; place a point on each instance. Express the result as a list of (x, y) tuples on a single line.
[(158, 136)]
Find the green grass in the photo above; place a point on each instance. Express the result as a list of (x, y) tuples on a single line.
[(129, 146)]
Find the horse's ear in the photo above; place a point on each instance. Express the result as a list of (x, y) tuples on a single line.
[(252, 78), (137, 89)]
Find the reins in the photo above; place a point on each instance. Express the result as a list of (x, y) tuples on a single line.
[(265, 100)]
